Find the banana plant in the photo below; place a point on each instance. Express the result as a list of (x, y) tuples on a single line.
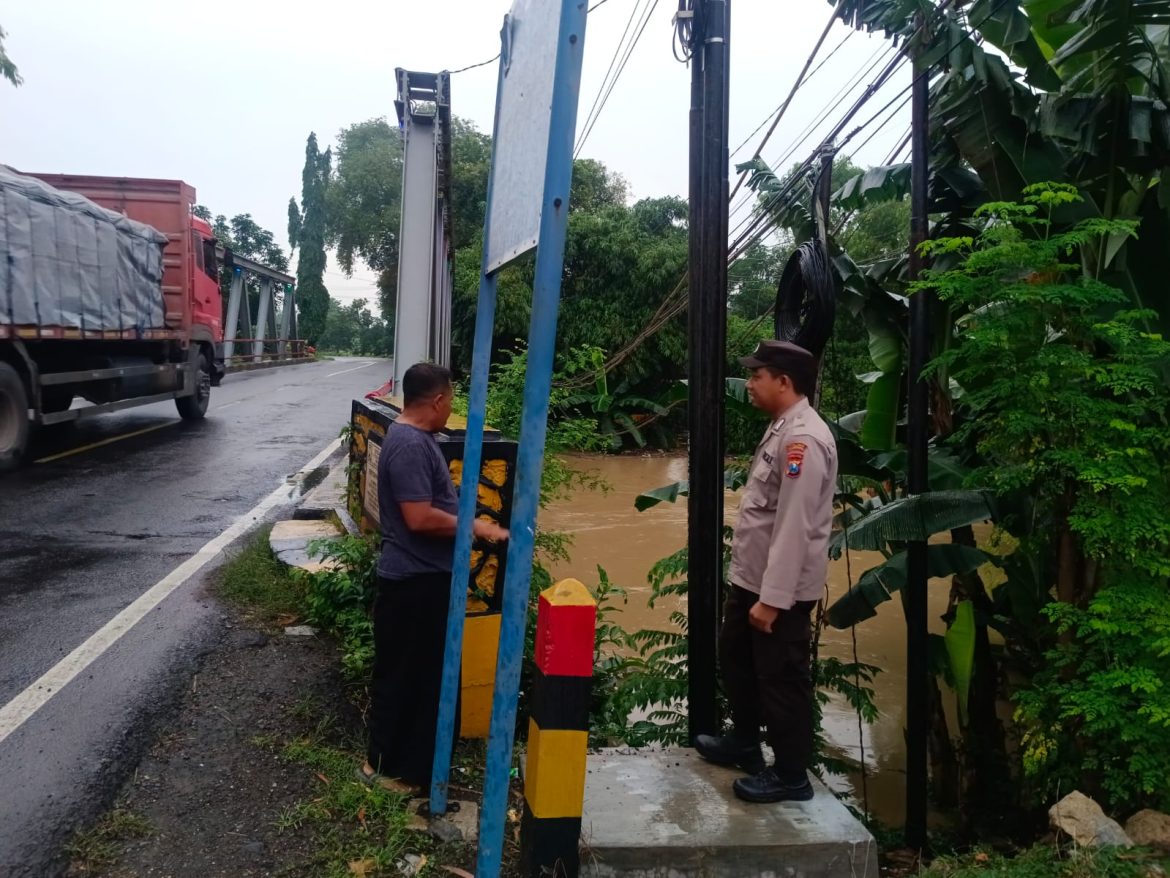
[(1086, 101), (618, 412)]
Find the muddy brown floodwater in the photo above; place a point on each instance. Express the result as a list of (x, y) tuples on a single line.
[(608, 531)]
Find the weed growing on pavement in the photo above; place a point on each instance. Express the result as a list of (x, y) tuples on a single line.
[(257, 582), (96, 849)]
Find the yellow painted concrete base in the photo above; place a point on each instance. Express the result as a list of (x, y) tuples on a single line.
[(554, 779), (481, 637)]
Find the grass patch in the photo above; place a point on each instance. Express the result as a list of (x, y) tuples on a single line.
[(96, 849), (256, 582), (349, 821), (1050, 861)]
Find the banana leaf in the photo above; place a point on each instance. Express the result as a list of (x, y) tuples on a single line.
[(878, 584), (666, 494), (960, 640), (915, 518), (881, 412), (1007, 27), (733, 480), (735, 396), (852, 459), (944, 469)]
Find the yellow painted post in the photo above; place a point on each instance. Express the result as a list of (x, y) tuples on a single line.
[(558, 732)]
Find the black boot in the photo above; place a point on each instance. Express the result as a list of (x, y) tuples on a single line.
[(731, 751), (768, 786)]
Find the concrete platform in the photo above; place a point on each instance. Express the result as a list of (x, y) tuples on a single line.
[(669, 814), (290, 542)]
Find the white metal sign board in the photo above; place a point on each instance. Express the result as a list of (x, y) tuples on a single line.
[(528, 59)]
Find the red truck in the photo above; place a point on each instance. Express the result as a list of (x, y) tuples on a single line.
[(109, 291)]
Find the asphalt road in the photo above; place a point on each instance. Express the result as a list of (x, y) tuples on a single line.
[(105, 510)]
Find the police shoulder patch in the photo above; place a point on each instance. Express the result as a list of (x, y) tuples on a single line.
[(794, 457)]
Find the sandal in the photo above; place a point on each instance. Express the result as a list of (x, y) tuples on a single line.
[(389, 784)]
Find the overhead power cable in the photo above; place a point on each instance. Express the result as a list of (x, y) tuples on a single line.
[(606, 90), (674, 303), (762, 216), (800, 79), (867, 68), (807, 79), (496, 57)]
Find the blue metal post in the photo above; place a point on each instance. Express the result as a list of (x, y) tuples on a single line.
[(542, 334), (460, 570), (481, 358)]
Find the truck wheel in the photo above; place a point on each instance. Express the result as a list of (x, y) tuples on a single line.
[(193, 408), (13, 418)]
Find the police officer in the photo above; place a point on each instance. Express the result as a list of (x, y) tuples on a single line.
[(779, 560)]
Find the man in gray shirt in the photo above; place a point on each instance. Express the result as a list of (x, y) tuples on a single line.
[(779, 561), (418, 507)]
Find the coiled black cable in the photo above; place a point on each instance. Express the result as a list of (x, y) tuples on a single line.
[(806, 300)]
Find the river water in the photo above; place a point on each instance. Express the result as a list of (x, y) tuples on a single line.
[(608, 531)]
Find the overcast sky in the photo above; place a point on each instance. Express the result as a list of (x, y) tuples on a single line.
[(223, 96)]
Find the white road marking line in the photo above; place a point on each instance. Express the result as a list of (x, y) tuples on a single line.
[(227, 405), (19, 709), (354, 369)]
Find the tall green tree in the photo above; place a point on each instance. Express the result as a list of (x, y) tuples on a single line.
[(354, 329), (364, 201), (7, 67), (364, 216), (310, 236)]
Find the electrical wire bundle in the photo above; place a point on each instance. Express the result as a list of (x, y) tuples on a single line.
[(806, 299)]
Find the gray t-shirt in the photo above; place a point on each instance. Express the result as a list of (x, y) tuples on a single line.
[(411, 468)]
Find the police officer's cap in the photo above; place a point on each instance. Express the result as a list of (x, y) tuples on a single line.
[(782, 355)]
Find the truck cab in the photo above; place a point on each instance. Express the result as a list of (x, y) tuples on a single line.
[(206, 295)]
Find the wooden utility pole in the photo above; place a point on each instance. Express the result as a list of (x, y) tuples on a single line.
[(917, 482), (707, 291)]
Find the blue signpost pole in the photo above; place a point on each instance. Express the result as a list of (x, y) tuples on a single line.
[(534, 422), (457, 608), (485, 318)]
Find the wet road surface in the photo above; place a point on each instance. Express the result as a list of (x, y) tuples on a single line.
[(106, 509)]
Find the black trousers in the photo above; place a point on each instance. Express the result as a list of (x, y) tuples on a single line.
[(768, 678), (410, 630)]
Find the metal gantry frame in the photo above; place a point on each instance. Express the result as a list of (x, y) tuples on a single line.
[(422, 315)]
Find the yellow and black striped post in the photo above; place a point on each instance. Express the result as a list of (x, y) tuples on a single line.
[(558, 732)]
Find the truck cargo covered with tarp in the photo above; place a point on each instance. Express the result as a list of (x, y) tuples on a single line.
[(66, 263)]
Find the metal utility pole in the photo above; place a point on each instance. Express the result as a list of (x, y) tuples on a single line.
[(918, 434), (708, 339), (422, 316)]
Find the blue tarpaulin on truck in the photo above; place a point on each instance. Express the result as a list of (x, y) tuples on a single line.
[(67, 262)]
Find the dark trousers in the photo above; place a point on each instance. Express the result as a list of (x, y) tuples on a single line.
[(410, 631), (768, 678)]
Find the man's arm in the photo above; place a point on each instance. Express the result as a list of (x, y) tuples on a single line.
[(423, 518), (800, 494)]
